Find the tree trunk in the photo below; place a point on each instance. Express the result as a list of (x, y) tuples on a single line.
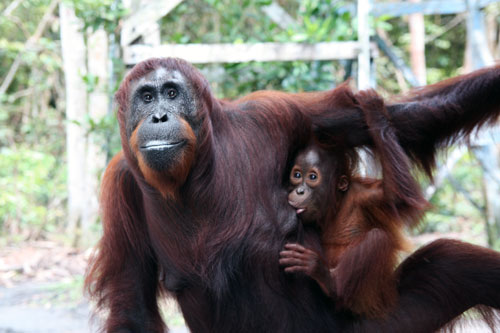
[(86, 157), (74, 64), (97, 46)]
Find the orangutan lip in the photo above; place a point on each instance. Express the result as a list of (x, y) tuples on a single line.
[(159, 145), (298, 209)]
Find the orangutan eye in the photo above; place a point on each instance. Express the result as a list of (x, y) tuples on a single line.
[(147, 97), (171, 93), (313, 176), (297, 175)]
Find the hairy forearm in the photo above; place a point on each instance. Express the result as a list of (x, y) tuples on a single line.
[(326, 280)]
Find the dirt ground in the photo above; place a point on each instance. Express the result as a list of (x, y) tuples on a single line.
[(41, 291)]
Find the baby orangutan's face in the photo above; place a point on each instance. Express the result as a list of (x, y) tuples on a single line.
[(308, 189)]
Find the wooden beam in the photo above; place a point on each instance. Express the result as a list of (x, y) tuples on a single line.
[(476, 35), (424, 7), (278, 15), (233, 53), (139, 23), (428, 7), (364, 7)]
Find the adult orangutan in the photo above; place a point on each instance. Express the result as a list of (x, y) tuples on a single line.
[(199, 192)]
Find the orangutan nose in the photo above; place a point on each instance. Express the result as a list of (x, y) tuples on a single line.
[(160, 117)]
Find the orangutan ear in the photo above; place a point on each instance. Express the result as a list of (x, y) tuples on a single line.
[(343, 183)]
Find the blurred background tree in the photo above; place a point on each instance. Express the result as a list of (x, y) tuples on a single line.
[(33, 120)]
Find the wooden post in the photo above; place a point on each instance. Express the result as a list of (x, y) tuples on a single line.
[(417, 46), (98, 101), (476, 37), (86, 159), (488, 157), (480, 56), (151, 35), (143, 17), (364, 40), (73, 54)]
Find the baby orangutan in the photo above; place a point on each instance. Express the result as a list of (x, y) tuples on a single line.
[(361, 233), (360, 242), (360, 220)]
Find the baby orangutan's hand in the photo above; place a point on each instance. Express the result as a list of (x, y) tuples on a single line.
[(299, 259)]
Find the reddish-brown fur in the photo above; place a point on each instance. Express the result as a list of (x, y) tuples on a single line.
[(362, 244), (362, 230), (218, 242), (360, 251), (365, 237)]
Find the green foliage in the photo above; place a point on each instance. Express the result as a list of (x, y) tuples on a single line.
[(33, 189), (91, 82), (32, 120), (97, 14), (15, 30), (444, 49), (452, 211), (225, 21), (104, 131)]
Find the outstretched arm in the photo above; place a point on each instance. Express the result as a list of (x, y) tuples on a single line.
[(427, 119), (123, 274), (437, 115), (437, 284)]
